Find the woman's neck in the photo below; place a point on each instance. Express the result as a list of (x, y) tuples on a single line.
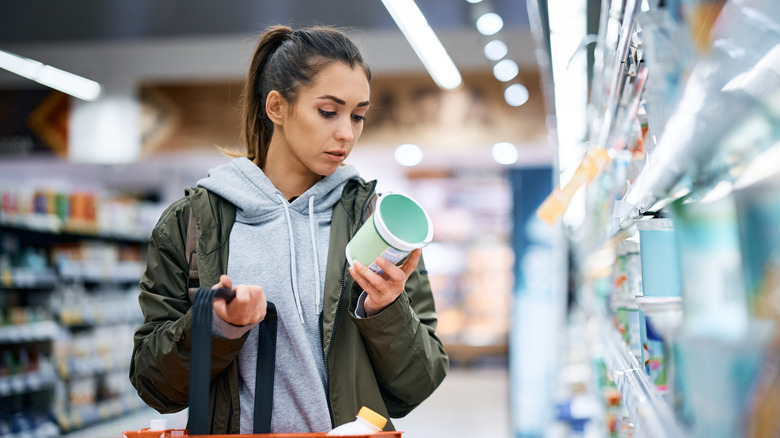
[(291, 184)]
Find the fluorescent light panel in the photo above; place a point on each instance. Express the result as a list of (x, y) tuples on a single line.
[(429, 49), (69, 83)]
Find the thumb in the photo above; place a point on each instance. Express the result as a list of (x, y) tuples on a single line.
[(224, 281)]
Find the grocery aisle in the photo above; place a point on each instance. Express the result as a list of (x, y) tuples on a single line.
[(470, 403)]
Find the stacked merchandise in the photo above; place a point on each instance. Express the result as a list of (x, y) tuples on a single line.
[(676, 263), (70, 262)]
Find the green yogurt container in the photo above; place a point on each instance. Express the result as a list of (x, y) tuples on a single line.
[(398, 226)]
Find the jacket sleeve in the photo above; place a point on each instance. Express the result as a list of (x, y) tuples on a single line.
[(407, 356), (159, 369)]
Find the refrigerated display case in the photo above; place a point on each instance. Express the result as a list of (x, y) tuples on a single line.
[(686, 109)]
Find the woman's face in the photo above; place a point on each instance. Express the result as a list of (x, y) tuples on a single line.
[(324, 124)]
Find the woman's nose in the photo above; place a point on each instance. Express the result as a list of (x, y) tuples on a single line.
[(344, 130)]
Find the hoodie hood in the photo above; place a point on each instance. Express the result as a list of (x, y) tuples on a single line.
[(264, 217), (246, 186)]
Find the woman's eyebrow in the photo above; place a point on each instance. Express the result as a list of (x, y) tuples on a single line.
[(341, 101)]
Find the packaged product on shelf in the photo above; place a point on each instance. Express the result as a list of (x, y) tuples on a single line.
[(659, 258), (758, 215), (633, 262), (654, 357), (714, 299), (633, 317), (719, 381)]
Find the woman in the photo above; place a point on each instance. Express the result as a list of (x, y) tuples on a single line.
[(272, 225)]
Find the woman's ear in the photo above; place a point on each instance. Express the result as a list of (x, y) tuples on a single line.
[(275, 105)]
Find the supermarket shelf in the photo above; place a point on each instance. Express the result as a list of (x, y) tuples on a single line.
[(653, 415), (28, 279), (466, 354), (50, 224), (73, 368), (98, 315), (37, 331), (27, 382), (47, 429), (86, 416)]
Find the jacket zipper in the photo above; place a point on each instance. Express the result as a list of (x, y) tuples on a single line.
[(338, 306)]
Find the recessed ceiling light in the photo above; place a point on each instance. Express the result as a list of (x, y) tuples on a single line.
[(495, 50), (489, 23), (505, 153), (516, 94), (505, 70), (408, 155)]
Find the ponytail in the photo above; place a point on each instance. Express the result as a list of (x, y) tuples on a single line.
[(257, 128)]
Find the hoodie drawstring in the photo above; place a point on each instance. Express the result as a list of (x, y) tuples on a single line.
[(296, 296), (315, 256), (312, 227)]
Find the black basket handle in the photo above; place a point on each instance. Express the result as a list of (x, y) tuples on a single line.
[(200, 363)]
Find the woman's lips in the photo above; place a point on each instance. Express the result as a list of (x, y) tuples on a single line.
[(336, 155)]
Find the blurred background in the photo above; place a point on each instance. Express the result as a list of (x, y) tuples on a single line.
[(601, 175)]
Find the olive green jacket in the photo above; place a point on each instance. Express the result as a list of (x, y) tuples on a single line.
[(389, 362)]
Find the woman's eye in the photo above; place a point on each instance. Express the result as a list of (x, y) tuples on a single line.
[(327, 114), (358, 118)]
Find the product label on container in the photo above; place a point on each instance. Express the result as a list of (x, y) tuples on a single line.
[(391, 254), (655, 366), (655, 361), (622, 321)]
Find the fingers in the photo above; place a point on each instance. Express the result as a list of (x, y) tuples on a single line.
[(411, 262), (248, 307), (365, 277), (224, 281)]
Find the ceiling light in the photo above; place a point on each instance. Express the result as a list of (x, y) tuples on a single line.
[(424, 42), (505, 153), (489, 23), (506, 70), (516, 94), (495, 50), (474, 1), (69, 83), (408, 155)]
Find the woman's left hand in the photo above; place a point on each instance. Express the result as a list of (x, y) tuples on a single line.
[(382, 290)]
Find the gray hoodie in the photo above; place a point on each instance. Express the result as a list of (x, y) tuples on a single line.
[(281, 246)]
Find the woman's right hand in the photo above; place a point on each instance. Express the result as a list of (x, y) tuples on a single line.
[(248, 307)]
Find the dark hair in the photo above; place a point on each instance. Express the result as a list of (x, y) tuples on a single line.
[(285, 60)]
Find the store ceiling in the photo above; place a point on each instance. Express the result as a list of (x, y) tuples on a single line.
[(46, 21)]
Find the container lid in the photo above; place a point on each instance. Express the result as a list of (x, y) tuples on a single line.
[(400, 212), (372, 417), (655, 224)]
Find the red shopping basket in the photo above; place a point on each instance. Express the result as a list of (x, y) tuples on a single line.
[(175, 433)]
